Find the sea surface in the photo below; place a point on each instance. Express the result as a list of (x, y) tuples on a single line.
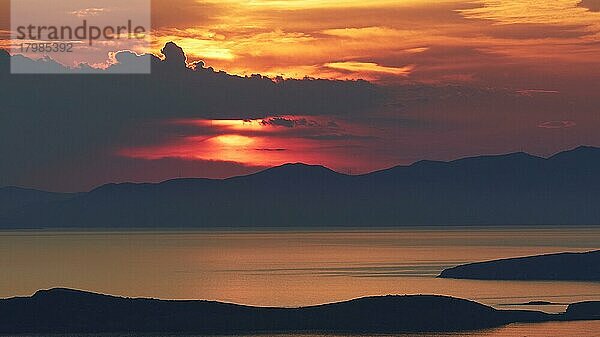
[(549, 329), (277, 267)]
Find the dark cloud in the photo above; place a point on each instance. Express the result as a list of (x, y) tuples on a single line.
[(276, 127), (272, 150), (63, 132), (50, 124), (279, 121), (174, 89), (289, 122), (174, 56)]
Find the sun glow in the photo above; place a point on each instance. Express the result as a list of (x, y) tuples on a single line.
[(370, 67), (262, 142), (233, 124), (234, 140)]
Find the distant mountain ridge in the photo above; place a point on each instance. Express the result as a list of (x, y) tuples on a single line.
[(12, 197), (488, 190)]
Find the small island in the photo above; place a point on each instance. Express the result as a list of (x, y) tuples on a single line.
[(532, 303), (72, 311), (550, 267)]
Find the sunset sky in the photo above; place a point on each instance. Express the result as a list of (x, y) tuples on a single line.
[(442, 80), (405, 40)]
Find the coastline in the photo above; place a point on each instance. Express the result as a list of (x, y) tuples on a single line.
[(87, 312)]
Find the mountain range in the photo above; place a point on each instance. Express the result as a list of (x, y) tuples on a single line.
[(515, 188)]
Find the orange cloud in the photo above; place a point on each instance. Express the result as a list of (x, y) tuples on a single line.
[(370, 67), (367, 39), (532, 11), (442, 41)]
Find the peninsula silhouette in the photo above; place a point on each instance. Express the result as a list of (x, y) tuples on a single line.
[(73, 311), (548, 267)]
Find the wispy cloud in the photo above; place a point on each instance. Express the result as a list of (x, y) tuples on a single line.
[(557, 124), (370, 67)]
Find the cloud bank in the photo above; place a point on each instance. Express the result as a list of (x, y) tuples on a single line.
[(74, 132)]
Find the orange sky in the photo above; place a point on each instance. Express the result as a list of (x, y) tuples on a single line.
[(437, 41), (267, 142), (384, 40), (538, 47)]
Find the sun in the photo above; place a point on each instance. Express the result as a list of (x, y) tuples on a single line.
[(234, 140)]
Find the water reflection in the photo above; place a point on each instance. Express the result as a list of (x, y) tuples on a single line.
[(550, 329), (288, 268)]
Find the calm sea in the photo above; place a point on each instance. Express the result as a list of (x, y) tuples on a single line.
[(300, 267)]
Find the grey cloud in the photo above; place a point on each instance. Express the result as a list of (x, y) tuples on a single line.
[(272, 150), (175, 90), (54, 123), (63, 132), (289, 122)]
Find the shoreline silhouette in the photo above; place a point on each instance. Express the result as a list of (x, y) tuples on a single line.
[(62, 310), (564, 266)]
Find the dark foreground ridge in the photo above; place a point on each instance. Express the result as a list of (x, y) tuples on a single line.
[(550, 267), (73, 311), (508, 189)]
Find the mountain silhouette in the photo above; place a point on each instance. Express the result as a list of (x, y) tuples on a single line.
[(72, 311), (14, 197), (551, 267), (507, 189)]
